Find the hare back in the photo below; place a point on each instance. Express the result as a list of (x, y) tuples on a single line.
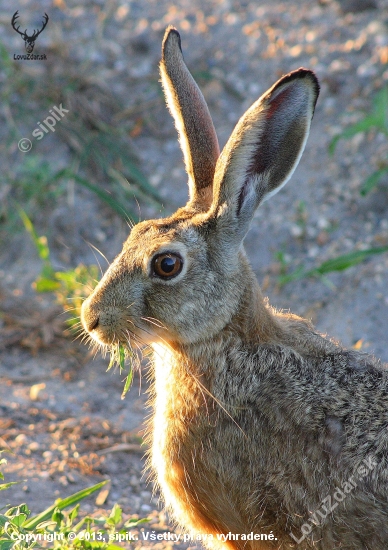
[(258, 440)]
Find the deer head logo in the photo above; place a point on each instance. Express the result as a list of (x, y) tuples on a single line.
[(29, 41)]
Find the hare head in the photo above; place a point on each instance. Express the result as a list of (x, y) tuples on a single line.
[(182, 279)]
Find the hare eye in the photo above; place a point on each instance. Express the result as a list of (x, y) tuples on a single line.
[(167, 265)]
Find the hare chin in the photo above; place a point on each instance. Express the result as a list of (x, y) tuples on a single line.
[(139, 339)]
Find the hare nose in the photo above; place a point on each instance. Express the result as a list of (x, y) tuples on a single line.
[(90, 319), (92, 324)]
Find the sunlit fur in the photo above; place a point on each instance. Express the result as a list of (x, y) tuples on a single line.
[(257, 419)]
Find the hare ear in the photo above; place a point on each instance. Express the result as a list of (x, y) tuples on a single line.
[(264, 149), (197, 136)]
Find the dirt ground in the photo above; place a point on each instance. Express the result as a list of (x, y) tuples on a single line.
[(60, 412)]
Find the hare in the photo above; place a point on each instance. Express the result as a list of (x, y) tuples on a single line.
[(264, 435)]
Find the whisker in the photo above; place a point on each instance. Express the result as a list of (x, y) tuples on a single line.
[(138, 207), (68, 311), (154, 321), (95, 249), (217, 401)]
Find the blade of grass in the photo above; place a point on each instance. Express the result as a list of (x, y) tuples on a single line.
[(299, 273), (132, 189), (129, 168), (372, 181), (4, 486), (108, 151), (340, 263), (104, 195), (380, 109), (346, 260), (128, 382), (377, 119), (39, 242), (361, 126), (63, 503)]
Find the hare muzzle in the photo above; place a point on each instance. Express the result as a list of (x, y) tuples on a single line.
[(101, 323), (108, 314)]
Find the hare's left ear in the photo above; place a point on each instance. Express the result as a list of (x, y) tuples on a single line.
[(197, 136), (263, 150)]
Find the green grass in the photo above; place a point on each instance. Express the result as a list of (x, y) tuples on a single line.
[(61, 524), (339, 263), (118, 355), (377, 120), (70, 288), (102, 157)]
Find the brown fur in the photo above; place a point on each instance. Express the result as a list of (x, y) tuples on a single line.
[(258, 420)]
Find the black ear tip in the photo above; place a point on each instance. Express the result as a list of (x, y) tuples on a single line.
[(171, 34), (301, 74), (310, 75)]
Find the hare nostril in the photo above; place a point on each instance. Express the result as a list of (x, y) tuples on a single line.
[(94, 324)]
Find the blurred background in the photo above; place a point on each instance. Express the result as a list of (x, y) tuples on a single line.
[(87, 147)]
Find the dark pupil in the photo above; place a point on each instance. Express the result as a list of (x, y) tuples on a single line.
[(167, 264)]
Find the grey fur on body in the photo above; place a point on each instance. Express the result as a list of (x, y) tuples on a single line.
[(260, 424)]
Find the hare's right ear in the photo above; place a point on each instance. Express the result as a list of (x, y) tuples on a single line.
[(263, 151), (197, 136)]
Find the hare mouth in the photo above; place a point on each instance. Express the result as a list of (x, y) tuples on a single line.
[(138, 334)]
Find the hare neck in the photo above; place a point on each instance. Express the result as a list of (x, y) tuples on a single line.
[(253, 320)]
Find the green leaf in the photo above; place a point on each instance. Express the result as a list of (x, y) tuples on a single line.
[(45, 524), (63, 503), (43, 249), (46, 285), (7, 544), (17, 510), (57, 516), (19, 519), (4, 486), (135, 522), (73, 514), (3, 520), (115, 515)]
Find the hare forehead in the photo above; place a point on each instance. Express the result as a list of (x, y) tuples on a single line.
[(148, 237)]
